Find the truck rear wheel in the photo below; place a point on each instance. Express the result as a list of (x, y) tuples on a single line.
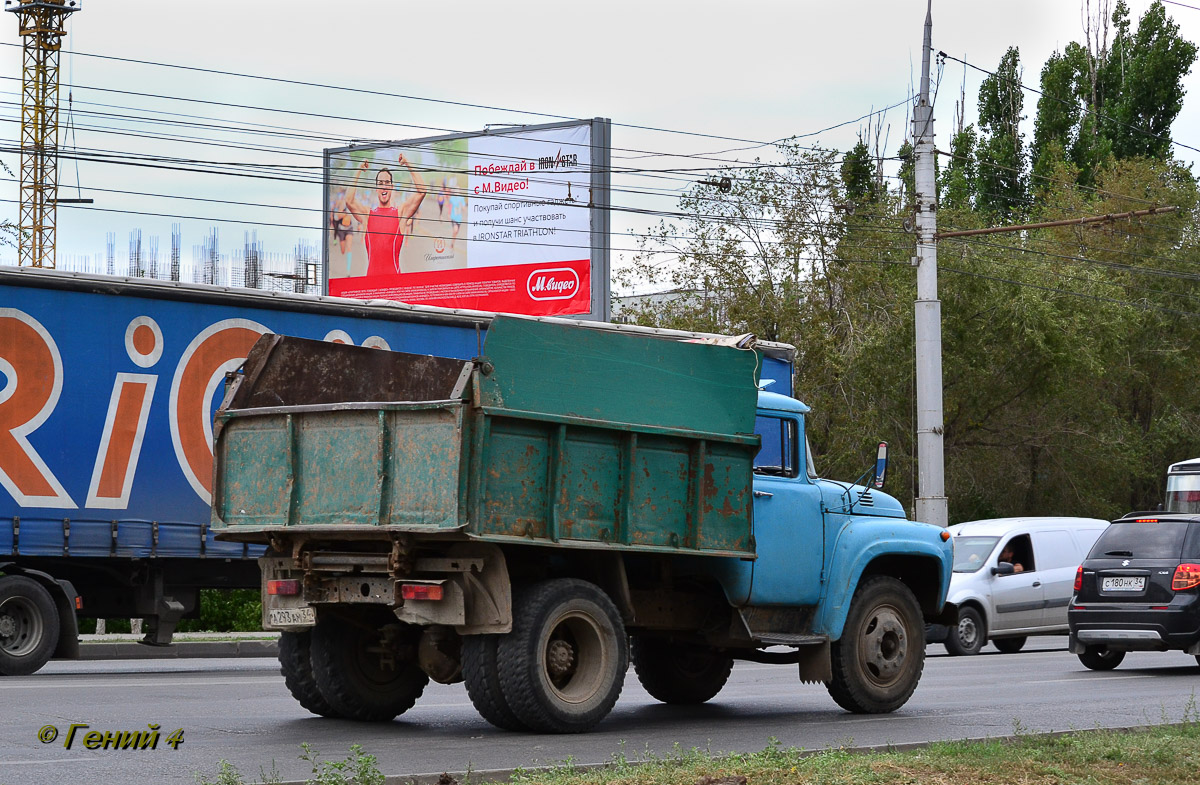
[(295, 662), (879, 658), (482, 676), (366, 670), (679, 674), (968, 635), (563, 665), (28, 626)]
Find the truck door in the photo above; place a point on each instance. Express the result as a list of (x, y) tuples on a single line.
[(788, 528)]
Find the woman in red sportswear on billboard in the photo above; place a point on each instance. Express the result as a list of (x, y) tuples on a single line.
[(385, 225)]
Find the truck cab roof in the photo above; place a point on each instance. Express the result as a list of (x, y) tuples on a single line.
[(780, 403)]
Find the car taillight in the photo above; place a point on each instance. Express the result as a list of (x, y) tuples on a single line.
[(1079, 578), (285, 588), (1187, 576), (420, 591)]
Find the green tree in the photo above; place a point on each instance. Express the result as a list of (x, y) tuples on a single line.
[(1145, 79), (858, 174), (959, 179), (1001, 153)]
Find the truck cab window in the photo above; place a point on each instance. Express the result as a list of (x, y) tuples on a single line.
[(778, 456)]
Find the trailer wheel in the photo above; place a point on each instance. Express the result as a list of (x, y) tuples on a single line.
[(1101, 658), (28, 626), (563, 665), (295, 662), (879, 658), (1010, 645), (968, 635), (679, 674), (366, 670), (482, 676)]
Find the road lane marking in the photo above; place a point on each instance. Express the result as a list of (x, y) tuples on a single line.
[(44, 761), (140, 683), (1084, 678)]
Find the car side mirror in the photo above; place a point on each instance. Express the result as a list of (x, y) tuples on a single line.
[(881, 460), (1003, 568)]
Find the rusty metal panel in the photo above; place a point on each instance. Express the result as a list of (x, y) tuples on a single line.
[(659, 508), (262, 494), (423, 465), (339, 468), (725, 497), (516, 469), (588, 497)]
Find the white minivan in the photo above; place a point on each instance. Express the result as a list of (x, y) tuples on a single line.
[(1013, 577)]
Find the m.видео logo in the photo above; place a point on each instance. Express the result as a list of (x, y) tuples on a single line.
[(558, 283)]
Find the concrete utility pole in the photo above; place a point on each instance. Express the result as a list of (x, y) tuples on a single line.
[(931, 476)]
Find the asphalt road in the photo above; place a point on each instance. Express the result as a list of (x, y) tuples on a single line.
[(239, 710)]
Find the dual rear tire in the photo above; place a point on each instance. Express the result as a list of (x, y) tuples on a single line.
[(359, 669)]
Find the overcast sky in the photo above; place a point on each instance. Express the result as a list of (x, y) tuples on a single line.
[(752, 70)]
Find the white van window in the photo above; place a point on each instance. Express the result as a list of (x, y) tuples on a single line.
[(1056, 549), (970, 553), (1022, 553)]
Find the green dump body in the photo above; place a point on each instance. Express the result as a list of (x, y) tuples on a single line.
[(558, 435)]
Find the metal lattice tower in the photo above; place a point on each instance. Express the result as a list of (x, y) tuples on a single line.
[(42, 26)]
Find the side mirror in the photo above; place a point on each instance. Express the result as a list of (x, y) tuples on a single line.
[(880, 466), (1003, 568)]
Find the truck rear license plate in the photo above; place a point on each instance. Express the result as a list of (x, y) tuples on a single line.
[(291, 617), (1123, 584)]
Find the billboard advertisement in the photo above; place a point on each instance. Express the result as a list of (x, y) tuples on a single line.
[(512, 221)]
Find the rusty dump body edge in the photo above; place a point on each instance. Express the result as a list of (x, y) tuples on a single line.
[(558, 435)]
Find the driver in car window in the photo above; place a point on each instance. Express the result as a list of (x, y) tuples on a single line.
[(1006, 555)]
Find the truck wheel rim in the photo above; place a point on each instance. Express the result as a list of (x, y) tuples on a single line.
[(574, 657), (20, 626), (884, 646)]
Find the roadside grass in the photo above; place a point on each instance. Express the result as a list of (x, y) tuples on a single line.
[(1163, 755)]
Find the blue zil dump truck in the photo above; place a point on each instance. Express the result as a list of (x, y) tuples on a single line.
[(533, 519), (107, 389)]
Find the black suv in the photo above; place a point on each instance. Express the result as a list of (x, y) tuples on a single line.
[(1138, 590)]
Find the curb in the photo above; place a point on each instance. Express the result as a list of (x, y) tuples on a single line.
[(506, 775), (133, 650)]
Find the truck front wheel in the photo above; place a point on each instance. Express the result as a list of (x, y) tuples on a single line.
[(878, 660), (679, 674), (365, 668), (563, 665), (28, 626), (295, 662)]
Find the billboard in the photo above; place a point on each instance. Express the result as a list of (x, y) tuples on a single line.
[(511, 221)]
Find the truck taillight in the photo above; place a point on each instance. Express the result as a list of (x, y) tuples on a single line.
[(420, 591), (287, 588), (78, 603), (1187, 576), (1079, 577)]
